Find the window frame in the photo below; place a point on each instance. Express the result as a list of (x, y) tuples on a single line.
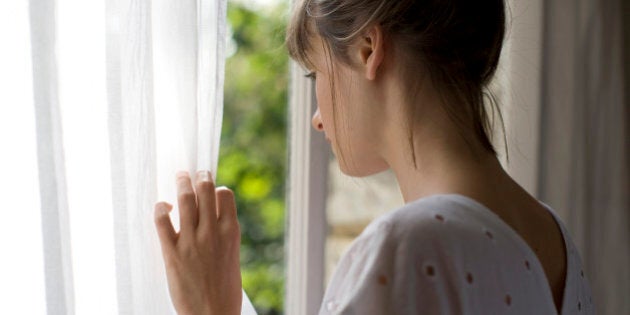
[(306, 198)]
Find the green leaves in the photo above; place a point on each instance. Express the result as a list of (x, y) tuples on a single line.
[(253, 155)]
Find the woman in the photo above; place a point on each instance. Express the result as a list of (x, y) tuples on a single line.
[(400, 84)]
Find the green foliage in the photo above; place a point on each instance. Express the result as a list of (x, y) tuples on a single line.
[(253, 147)]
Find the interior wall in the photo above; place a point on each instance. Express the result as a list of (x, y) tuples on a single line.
[(584, 149), (517, 87), (626, 54)]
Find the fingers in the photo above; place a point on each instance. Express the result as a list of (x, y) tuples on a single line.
[(206, 201), (165, 229), (227, 209), (205, 208), (188, 213)]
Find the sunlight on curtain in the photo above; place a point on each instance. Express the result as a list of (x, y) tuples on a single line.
[(102, 103), (82, 101), (22, 264)]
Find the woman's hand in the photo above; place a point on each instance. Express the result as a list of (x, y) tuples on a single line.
[(202, 260)]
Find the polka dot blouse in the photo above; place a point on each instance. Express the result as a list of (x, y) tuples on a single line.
[(448, 254)]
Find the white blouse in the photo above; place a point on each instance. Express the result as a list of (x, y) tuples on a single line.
[(448, 254)]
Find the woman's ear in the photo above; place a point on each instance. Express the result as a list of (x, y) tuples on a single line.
[(371, 51)]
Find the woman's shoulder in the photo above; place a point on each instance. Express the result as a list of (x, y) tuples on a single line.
[(444, 218), (449, 229), (438, 254)]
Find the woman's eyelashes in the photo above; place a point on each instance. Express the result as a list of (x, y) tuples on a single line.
[(311, 75)]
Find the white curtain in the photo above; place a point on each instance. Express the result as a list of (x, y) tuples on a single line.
[(101, 103), (584, 139)]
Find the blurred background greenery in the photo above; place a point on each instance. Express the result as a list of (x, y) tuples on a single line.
[(253, 156)]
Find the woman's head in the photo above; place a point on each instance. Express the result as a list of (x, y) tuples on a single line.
[(453, 44)]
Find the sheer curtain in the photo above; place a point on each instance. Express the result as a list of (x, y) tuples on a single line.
[(102, 102)]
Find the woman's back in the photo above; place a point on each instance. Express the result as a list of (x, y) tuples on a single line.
[(540, 229), (531, 221), (449, 254)]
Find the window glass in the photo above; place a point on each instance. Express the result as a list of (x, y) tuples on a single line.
[(253, 154)]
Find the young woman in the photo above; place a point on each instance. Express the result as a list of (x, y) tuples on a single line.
[(400, 85)]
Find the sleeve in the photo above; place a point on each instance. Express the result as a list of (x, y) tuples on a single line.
[(396, 270)]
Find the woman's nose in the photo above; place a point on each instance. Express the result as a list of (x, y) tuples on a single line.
[(317, 121)]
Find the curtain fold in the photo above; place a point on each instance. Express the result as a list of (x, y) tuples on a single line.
[(53, 194), (211, 73), (140, 277), (584, 147)]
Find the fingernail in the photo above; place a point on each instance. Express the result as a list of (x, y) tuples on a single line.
[(181, 174), (161, 209), (203, 176)]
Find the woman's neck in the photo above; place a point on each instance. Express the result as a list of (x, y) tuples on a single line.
[(444, 163), (467, 177)]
